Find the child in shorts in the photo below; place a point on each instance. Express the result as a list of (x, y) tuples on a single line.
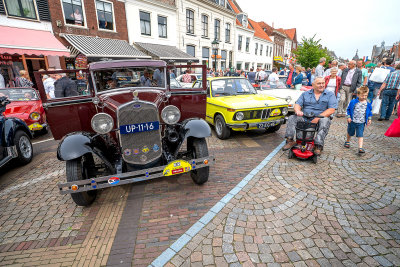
[(359, 114)]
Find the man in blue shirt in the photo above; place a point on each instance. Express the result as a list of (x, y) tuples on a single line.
[(315, 101)]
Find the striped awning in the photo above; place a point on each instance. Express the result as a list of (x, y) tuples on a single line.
[(166, 52), (102, 48)]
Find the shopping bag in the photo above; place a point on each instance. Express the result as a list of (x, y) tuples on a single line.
[(394, 129), (376, 105), (379, 75)]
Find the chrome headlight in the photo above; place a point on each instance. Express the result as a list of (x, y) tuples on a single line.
[(285, 111), (34, 116), (239, 116), (170, 114), (102, 123), (288, 99)]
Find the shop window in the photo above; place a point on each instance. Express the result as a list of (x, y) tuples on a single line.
[(162, 27), (189, 21), (145, 26), (73, 12), (105, 15), (204, 25), (21, 8)]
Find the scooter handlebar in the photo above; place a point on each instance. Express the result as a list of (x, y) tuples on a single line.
[(312, 115)]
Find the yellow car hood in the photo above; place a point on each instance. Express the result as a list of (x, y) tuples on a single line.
[(247, 101)]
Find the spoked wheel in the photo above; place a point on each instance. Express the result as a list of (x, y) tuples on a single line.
[(79, 169), (24, 147), (199, 149), (223, 131)]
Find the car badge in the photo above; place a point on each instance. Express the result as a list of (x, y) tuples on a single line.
[(113, 180), (156, 148), (127, 152), (143, 158), (137, 106), (145, 149), (136, 151), (266, 104)]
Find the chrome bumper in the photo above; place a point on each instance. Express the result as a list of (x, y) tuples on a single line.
[(246, 125)]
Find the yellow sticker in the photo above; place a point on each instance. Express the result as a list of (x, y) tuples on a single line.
[(35, 126), (177, 167), (145, 149), (276, 112)]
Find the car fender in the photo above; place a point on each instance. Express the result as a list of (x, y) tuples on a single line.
[(74, 145), (198, 128), (11, 126)]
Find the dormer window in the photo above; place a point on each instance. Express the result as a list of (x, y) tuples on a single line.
[(242, 17)]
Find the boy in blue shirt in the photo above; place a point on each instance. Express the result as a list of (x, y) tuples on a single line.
[(359, 114)]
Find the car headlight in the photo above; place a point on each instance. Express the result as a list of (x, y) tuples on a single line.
[(288, 99), (285, 111), (170, 114), (102, 123), (34, 116), (239, 116)]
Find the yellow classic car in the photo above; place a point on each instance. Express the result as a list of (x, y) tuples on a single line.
[(233, 104)]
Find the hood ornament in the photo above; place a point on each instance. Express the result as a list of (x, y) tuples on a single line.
[(135, 95)]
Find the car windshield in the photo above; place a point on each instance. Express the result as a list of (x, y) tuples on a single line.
[(175, 84), (16, 94), (268, 85), (129, 77), (228, 87)]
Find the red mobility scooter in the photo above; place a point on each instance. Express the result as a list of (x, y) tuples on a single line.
[(305, 133)]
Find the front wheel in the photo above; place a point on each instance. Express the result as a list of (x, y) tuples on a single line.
[(273, 128), (199, 149), (223, 131), (78, 169), (24, 147), (315, 159)]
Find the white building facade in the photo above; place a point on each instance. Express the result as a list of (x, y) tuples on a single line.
[(199, 23)]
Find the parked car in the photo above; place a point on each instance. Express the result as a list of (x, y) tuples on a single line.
[(15, 138), (233, 104), (136, 133), (194, 76), (27, 106)]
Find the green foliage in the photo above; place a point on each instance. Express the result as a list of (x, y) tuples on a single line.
[(309, 53)]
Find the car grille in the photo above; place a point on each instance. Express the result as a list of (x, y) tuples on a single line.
[(140, 147), (255, 114)]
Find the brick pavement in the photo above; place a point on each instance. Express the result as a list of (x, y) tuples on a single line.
[(343, 211)]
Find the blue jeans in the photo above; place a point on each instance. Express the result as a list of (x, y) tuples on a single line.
[(388, 102), (356, 128)]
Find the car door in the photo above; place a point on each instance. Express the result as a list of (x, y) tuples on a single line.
[(191, 101), (71, 113)]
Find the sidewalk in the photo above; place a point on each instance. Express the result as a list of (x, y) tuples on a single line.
[(343, 211)]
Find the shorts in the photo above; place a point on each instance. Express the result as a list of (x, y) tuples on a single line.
[(356, 128)]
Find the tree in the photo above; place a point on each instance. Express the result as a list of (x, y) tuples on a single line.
[(310, 51)]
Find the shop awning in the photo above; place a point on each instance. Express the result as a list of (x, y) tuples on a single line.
[(30, 42), (102, 47), (166, 52)]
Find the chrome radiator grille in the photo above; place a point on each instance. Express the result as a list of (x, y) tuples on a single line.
[(139, 147)]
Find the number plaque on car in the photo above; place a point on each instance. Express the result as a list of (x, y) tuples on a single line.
[(139, 127)]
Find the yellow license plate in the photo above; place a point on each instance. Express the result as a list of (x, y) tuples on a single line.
[(35, 126), (177, 167)]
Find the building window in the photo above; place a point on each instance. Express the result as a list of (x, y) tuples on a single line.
[(191, 50), (266, 53), (256, 50), (205, 52), (73, 12), (145, 25), (162, 27), (228, 33), (247, 44), (21, 8), (204, 25), (217, 30), (261, 49), (105, 15), (240, 42), (270, 51), (189, 21)]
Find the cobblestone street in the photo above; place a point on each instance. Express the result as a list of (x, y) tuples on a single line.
[(342, 211)]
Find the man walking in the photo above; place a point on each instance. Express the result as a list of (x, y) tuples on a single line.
[(290, 77), (351, 80), (391, 89), (64, 86), (364, 71), (341, 66), (319, 70), (385, 65)]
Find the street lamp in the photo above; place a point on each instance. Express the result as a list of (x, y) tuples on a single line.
[(215, 45)]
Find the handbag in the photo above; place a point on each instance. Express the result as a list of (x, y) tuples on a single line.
[(394, 129), (376, 105), (379, 75)]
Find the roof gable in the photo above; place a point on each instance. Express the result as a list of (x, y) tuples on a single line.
[(258, 31)]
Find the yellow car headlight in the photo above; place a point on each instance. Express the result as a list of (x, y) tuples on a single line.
[(34, 116)]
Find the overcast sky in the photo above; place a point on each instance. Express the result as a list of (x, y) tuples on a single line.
[(342, 25)]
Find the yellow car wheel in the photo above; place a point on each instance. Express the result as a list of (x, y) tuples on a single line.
[(222, 131)]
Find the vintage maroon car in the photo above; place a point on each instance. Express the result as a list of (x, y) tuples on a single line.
[(130, 127), (27, 106)]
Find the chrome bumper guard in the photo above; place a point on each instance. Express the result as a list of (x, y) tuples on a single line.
[(127, 177), (246, 125)]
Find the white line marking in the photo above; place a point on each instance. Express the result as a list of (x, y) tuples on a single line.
[(38, 142), (40, 178)]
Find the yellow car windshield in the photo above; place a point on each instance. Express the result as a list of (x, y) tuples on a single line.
[(230, 87)]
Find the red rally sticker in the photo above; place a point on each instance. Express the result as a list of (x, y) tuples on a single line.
[(177, 171)]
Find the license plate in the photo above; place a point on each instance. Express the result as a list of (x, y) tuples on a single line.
[(139, 127), (177, 167), (267, 124), (35, 126)]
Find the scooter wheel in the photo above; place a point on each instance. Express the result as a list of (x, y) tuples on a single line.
[(291, 154), (315, 159)]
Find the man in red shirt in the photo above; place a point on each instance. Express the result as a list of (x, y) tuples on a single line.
[(290, 76), (186, 78)]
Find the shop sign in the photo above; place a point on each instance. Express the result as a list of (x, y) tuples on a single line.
[(278, 59), (5, 60), (81, 62)]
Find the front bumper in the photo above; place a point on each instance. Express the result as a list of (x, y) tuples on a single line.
[(254, 125), (127, 177)]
